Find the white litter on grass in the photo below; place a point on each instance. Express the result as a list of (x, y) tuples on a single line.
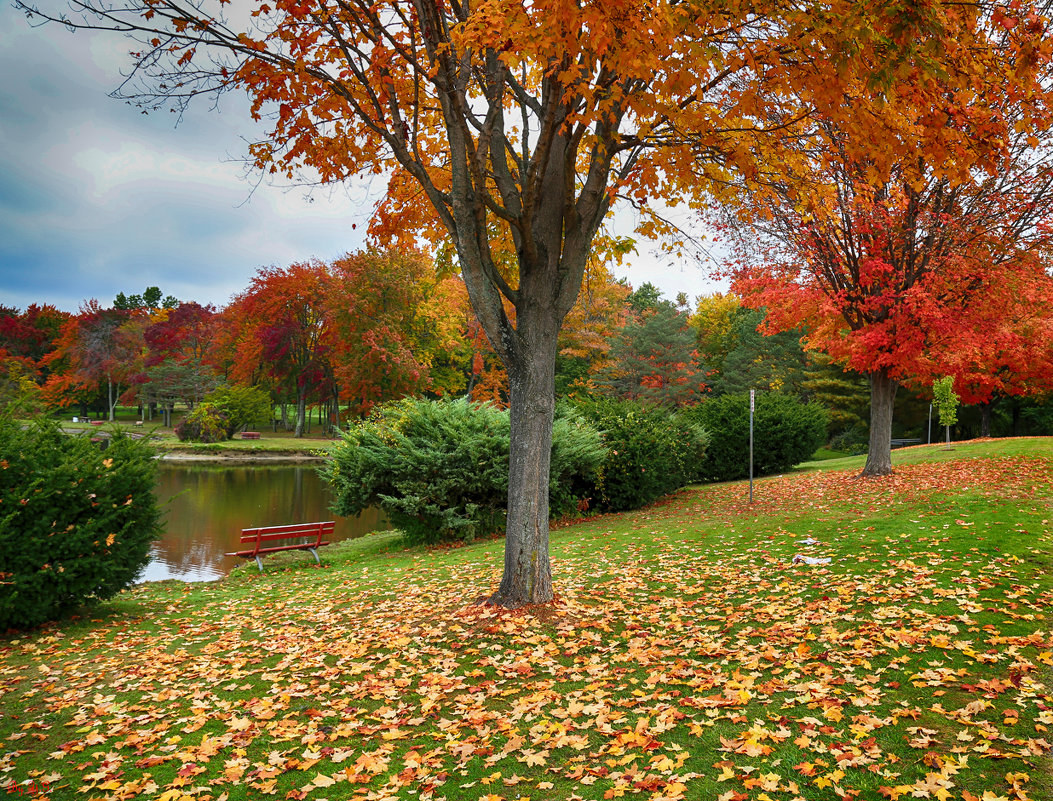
[(808, 541), (810, 560)]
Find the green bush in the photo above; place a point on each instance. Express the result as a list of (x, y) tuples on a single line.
[(76, 522), (206, 423), (785, 432), (244, 407), (439, 469), (651, 452)]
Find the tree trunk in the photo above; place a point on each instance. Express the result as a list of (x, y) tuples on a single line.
[(882, 398), (301, 410), (985, 418), (527, 577)]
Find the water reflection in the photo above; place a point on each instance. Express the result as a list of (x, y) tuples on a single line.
[(208, 506)]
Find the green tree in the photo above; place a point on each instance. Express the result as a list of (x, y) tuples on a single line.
[(76, 522), (653, 359), (150, 300), (774, 363), (946, 401)]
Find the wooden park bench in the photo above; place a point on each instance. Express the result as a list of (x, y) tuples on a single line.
[(902, 442), (250, 434), (266, 539)]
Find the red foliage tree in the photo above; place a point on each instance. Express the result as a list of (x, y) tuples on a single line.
[(910, 277), (390, 317), (278, 327), (97, 348)]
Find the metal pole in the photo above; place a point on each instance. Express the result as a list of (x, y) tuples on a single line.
[(753, 395), (930, 424)]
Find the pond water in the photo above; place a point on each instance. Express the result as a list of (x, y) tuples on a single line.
[(207, 506)]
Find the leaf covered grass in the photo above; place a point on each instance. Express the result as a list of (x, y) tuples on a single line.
[(687, 656)]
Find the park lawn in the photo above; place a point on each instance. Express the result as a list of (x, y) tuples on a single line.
[(686, 657)]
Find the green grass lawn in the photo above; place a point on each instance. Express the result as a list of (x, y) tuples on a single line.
[(686, 656)]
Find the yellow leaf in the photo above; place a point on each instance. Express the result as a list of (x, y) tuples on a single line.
[(322, 780)]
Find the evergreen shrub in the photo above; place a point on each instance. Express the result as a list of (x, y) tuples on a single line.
[(206, 423), (76, 522), (439, 469), (786, 431), (651, 451), (244, 407)]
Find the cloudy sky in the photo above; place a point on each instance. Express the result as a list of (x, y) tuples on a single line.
[(97, 198)]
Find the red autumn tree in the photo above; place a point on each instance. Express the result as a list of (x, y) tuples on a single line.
[(1014, 357), (179, 347), (278, 327), (98, 350), (907, 278), (531, 119)]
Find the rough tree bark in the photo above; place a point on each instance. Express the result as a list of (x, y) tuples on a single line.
[(301, 408), (527, 576), (985, 418), (882, 399)]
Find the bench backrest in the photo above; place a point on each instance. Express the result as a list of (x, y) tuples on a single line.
[(267, 534)]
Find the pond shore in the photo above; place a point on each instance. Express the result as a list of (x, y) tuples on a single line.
[(268, 448), (231, 456)]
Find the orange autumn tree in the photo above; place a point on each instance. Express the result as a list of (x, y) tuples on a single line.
[(98, 351), (531, 118), (390, 316)]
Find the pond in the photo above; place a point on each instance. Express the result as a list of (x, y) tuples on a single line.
[(207, 506)]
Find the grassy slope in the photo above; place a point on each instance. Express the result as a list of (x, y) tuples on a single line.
[(686, 657)]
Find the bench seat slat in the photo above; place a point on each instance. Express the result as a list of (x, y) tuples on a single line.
[(304, 547)]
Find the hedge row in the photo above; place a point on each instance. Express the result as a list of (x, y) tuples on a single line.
[(439, 469)]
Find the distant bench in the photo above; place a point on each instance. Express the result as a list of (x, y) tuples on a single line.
[(900, 443), (263, 539), (250, 434)]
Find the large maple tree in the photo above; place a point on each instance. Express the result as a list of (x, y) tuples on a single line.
[(502, 121)]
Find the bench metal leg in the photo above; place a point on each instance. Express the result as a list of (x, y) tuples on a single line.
[(260, 563), (312, 550)]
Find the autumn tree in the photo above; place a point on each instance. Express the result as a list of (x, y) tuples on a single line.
[(98, 350), (899, 274), (31, 334), (390, 317), (530, 120), (1014, 358), (179, 348), (589, 329), (714, 322), (279, 327)]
